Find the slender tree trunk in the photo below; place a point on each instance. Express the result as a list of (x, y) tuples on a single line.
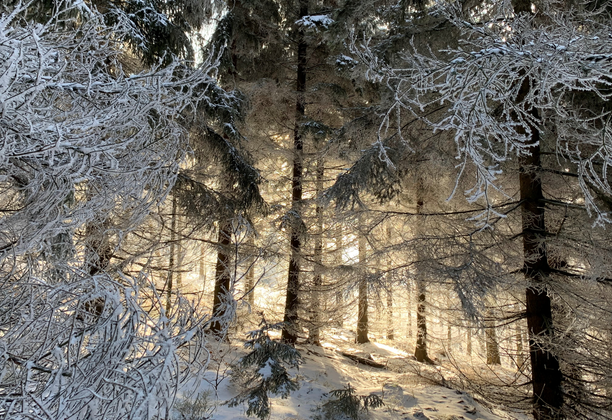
[(468, 348), (362, 315), (409, 290), (449, 328), (492, 348), (290, 328), (202, 268), (180, 255), (390, 330), (420, 352), (520, 355), (315, 309), (339, 262), (249, 287), (171, 260), (222, 292)]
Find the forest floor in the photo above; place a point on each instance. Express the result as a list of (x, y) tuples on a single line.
[(410, 390)]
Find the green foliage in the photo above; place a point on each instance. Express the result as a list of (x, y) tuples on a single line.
[(264, 371), (344, 404), (160, 29), (378, 172)]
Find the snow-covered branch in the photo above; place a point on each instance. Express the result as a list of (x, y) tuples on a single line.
[(565, 59)]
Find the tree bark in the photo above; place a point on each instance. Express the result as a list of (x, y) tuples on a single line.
[(314, 333), (202, 268), (546, 376), (249, 286), (545, 370), (362, 315), (171, 260), (409, 315), (390, 330), (420, 352), (492, 348), (290, 329), (222, 293), (339, 261), (468, 348)]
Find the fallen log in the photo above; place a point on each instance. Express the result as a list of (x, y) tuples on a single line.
[(363, 360)]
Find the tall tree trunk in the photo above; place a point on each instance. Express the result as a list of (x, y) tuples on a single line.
[(420, 352), (180, 254), (362, 315), (202, 269), (492, 348), (546, 376), (290, 328), (468, 348), (520, 355), (518, 339), (222, 293), (249, 287), (339, 261), (171, 259), (545, 370), (315, 306), (409, 315), (390, 331)]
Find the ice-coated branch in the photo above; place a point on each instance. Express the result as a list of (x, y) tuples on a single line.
[(567, 62)]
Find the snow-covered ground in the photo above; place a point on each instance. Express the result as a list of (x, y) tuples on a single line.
[(410, 390)]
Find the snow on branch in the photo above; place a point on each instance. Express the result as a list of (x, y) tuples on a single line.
[(567, 63), (83, 143)]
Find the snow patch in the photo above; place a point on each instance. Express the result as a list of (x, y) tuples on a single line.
[(315, 21)]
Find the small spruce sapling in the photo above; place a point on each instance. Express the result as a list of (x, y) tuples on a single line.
[(264, 371), (344, 404)]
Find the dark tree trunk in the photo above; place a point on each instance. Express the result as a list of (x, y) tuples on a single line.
[(362, 315), (420, 352), (221, 296), (409, 323), (202, 268), (249, 287), (390, 330), (546, 376), (314, 333), (339, 261), (290, 328), (468, 345), (171, 260), (545, 369)]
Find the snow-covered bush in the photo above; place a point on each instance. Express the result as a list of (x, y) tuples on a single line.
[(264, 371), (199, 407), (86, 150)]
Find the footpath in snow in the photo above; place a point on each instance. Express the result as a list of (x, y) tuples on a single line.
[(410, 390)]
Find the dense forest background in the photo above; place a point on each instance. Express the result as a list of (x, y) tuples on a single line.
[(431, 174)]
